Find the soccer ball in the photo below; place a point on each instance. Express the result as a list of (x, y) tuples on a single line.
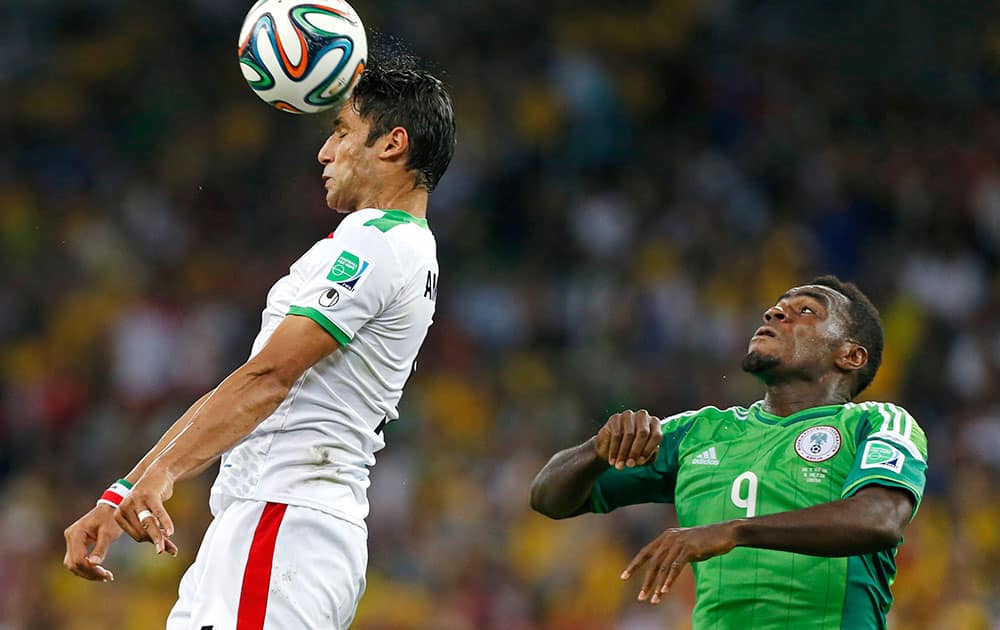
[(302, 56)]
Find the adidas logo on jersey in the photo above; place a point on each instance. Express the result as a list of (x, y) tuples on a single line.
[(708, 458)]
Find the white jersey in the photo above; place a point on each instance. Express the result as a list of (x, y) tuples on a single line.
[(372, 285)]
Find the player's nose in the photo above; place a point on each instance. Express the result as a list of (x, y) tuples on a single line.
[(774, 313), (325, 155)]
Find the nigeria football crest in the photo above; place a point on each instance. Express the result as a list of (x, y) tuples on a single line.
[(818, 444)]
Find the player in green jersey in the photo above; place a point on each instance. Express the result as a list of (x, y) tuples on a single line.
[(790, 510)]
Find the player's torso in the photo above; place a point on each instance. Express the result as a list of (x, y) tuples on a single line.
[(747, 464), (314, 450)]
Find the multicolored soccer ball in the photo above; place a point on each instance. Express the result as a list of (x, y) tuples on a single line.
[(302, 56)]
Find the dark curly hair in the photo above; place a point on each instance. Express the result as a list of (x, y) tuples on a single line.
[(864, 327)]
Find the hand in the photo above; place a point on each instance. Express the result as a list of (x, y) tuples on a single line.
[(629, 438), (148, 494), (98, 528), (673, 549)]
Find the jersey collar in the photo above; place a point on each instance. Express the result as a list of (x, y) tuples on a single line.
[(757, 409), (405, 217)]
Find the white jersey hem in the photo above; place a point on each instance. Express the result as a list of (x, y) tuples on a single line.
[(300, 502)]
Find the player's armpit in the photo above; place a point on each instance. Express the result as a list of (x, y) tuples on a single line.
[(294, 347)]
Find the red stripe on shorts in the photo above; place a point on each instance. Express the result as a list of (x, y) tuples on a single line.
[(257, 576)]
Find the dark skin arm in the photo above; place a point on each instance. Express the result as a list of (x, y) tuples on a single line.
[(870, 521), (627, 439)]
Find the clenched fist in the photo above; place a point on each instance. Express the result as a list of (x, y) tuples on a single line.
[(628, 439)]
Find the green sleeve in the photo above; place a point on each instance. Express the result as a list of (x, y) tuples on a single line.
[(892, 451), (652, 483)]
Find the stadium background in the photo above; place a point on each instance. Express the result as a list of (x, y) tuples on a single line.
[(634, 183)]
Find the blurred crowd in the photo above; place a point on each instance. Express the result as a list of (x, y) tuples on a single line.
[(634, 183)]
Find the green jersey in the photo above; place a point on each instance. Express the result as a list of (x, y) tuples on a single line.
[(721, 464)]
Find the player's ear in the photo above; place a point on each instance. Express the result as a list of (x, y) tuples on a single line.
[(852, 356), (395, 144)]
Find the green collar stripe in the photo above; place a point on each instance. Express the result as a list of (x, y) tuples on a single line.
[(393, 218), (799, 416)]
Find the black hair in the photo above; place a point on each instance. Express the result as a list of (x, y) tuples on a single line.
[(864, 327), (394, 93)]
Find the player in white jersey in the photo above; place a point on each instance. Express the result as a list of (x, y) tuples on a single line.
[(298, 424)]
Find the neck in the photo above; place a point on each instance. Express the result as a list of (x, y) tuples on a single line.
[(399, 196), (784, 399)]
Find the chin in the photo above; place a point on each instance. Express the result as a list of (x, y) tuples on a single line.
[(757, 362), (336, 206)]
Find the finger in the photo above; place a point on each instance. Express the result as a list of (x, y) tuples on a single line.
[(159, 527), (655, 437), (77, 562), (161, 514), (638, 452), (615, 434), (676, 567), (127, 520), (105, 536), (98, 573), (648, 458), (647, 583), (652, 444), (640, 559), (76, 549), (672, 562), (151, 525), (628, 437), (166, 522)]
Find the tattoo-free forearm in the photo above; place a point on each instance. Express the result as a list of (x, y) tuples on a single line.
[(171, 433), (564, 484), (237, 406), (870, 521)]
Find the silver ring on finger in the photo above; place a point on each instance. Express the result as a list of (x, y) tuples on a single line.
[(143, 515)]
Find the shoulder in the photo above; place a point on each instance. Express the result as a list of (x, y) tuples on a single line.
[(709, 413), (355, 238), (884, 416), (891, 421), (397, 231)]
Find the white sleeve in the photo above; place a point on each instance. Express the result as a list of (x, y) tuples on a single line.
[(356, 282)]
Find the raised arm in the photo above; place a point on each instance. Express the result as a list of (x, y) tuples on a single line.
[(627, 440)]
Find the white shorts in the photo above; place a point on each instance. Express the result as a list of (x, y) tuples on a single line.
[(271, 566)]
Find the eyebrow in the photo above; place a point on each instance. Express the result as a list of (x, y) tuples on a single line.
[(816, 295)]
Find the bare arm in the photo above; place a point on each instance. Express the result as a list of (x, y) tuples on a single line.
[(244, 399), (564, 484), (241, 402), (870, 521), (162, 443), (627, 439)]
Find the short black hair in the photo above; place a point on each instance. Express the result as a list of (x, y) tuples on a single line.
[(865, 327), (390, 95)]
